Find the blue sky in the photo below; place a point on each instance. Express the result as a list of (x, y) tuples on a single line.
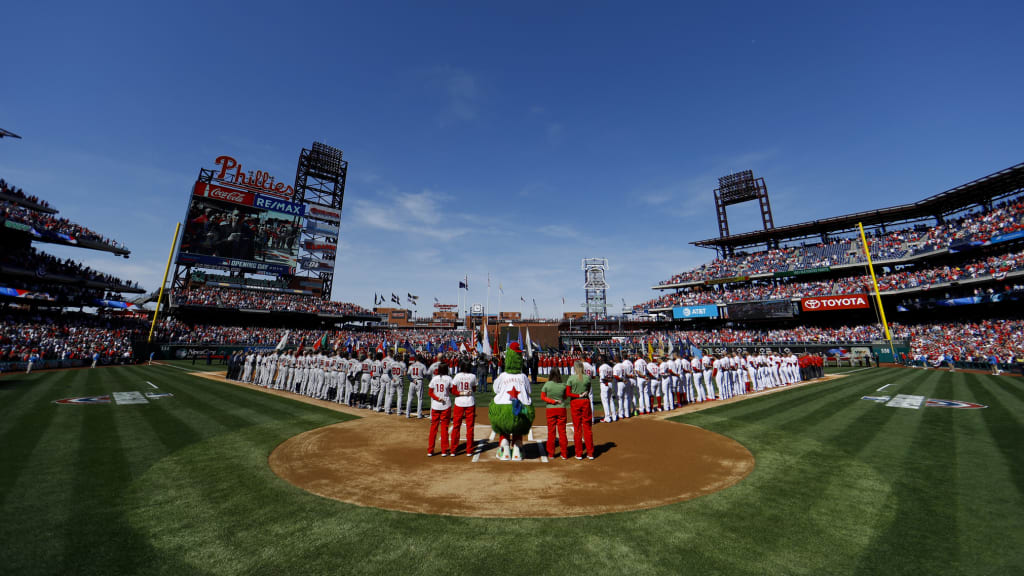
[(513, 139)]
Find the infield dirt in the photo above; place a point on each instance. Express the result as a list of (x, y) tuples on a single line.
[(380, 461)]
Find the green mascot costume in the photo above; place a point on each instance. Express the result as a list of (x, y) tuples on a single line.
[(511, 411)]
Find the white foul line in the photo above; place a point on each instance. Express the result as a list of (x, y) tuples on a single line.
[(883, 387), (151, 384)]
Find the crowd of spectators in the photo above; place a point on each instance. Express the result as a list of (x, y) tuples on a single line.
[(966, 342), (259, 300), (8, 190), (49, 223), (174, 331), (979, 227), (67, 337), (43, 265), (787, 288)]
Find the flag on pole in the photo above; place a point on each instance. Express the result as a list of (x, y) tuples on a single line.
[(396, 299), (319, 343), (464, 283), (650, 351), (284, 341), (487, 341), (529, 344), (500, 289)]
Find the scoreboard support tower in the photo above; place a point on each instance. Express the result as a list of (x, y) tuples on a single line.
[(320, 180)]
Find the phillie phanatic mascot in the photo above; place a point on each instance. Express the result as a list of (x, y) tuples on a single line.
[(511, 411)]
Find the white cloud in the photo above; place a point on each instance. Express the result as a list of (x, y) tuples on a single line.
[(460, 93), (416, 215)]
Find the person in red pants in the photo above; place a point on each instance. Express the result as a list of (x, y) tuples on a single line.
[(440, 409), (553, 393), (464, 387), (578, 388)]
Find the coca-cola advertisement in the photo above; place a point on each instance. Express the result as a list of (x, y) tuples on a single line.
[(218, 192), (232, 225)]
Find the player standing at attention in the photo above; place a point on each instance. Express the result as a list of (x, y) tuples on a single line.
[(653, 387), (440, 409), (668, 376), (553, 393), (463, 387), (579, 389), (396, 386), (707, 362), (416, 372), (643, 385), (606, 374)]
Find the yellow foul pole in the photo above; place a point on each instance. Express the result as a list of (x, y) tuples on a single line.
[(878, 294), (166, 270)]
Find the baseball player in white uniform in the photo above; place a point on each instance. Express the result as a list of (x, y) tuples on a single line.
[(396, 388), (643, 385), (417, 371), (608, 387), (668, 377)]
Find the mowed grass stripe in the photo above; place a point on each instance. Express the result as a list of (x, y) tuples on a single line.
[(269, 405), (38, 477), (985, 473), (925, 492), (28, 418), (95, 528)]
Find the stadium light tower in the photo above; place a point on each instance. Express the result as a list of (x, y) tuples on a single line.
[(595, 286), (736, 189)]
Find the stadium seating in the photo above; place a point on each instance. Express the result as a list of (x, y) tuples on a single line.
[(257, 300), (894, 245)]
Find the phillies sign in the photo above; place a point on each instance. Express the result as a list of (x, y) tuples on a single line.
[(231, 171), (824, 303), (218, 192)]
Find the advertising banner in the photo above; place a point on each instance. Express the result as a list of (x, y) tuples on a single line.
[(323, 213), (237, 265), (26, 294), (827, 303), (314, 246), (728, 280), (117, 304), (707, 311), (760, 310), (804, 272), (317, 264), (1007, 237), (324, 228), (223, 193)]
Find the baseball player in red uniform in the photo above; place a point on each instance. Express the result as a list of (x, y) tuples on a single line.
[(440, 409), (463, 387)]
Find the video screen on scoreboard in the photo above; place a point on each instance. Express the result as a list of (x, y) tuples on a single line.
[(232, 228)]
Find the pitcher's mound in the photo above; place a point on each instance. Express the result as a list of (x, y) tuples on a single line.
[(381, 462)]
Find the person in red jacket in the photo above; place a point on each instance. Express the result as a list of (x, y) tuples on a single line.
[(440, 409)]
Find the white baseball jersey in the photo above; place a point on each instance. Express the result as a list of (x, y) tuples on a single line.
[(463, 386), (440, 387)]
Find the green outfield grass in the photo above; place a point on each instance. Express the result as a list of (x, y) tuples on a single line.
[(181, 486)]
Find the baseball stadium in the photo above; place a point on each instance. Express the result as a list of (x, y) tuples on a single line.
[(835, 389)]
